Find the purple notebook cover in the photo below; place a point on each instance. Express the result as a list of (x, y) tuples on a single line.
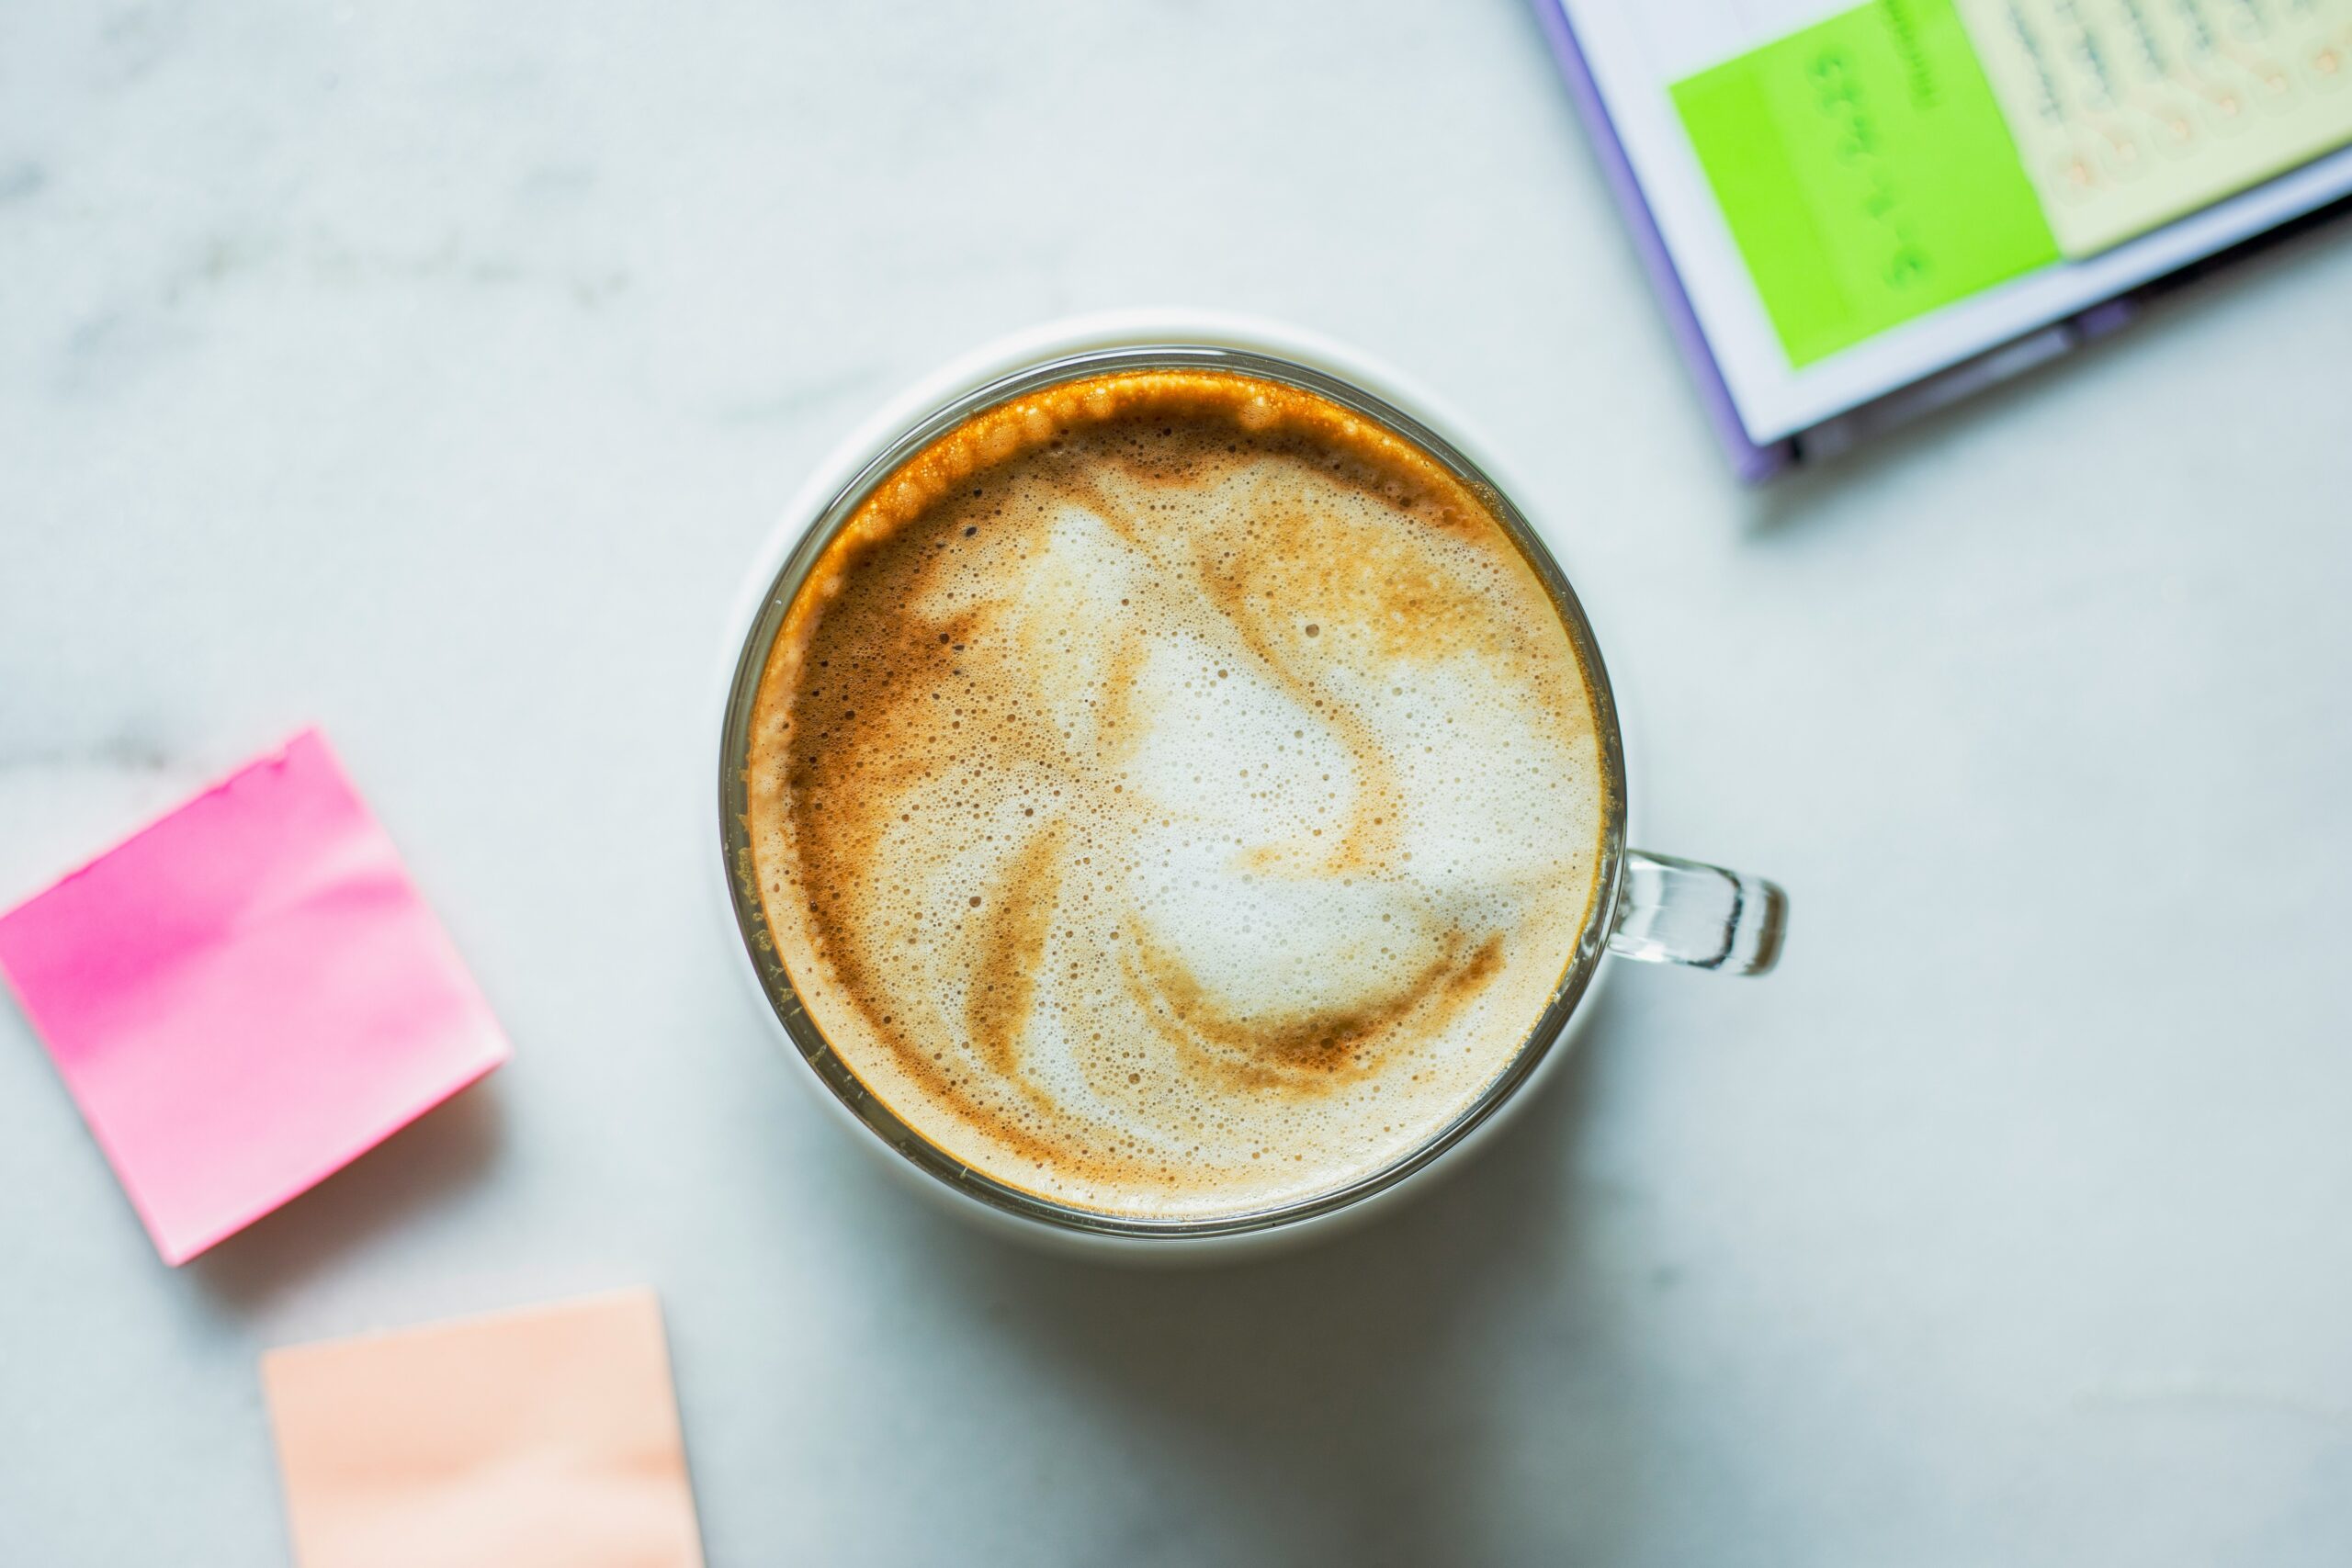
[(1747, 459), (1751, 461)]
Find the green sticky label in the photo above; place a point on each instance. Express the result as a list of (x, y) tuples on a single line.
[(1866, 172)]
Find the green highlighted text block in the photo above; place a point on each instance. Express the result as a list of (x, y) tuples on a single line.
[(1866, 172)]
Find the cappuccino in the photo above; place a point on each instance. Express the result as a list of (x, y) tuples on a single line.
[(1175, 794)]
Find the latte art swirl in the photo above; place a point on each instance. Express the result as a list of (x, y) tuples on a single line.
[(1175, 794)]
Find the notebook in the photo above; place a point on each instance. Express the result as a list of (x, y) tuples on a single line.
[(1855, 213)]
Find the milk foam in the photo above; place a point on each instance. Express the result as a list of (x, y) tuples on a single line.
[(1175, 795)]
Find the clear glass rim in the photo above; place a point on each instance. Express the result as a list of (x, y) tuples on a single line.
[(750, 916)]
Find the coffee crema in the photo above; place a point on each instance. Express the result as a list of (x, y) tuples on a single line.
[(1175, 794)]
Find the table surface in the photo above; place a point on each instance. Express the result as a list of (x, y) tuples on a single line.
[(434, 371)]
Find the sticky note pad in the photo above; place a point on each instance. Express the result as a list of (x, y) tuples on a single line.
[(541, 1438), (2130, 113), (1866, 172), (246, 996)]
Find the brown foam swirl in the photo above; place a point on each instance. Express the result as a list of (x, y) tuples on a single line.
[(1175, 794)]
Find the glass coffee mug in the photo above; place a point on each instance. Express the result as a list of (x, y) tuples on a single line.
[(1650, 907)]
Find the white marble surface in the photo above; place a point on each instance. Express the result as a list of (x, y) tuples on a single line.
[(432, 370)]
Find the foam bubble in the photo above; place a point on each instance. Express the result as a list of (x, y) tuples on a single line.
[(1186, 801)]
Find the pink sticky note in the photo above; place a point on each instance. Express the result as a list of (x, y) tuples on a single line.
[(246, 996), (541, 1438)]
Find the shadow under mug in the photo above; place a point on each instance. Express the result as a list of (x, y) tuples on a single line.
[(1651, 907)]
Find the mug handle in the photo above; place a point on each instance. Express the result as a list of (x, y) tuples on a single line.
[(1685, 911)]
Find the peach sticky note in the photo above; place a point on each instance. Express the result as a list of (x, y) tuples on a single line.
[(540, 1439), (246, 996)]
